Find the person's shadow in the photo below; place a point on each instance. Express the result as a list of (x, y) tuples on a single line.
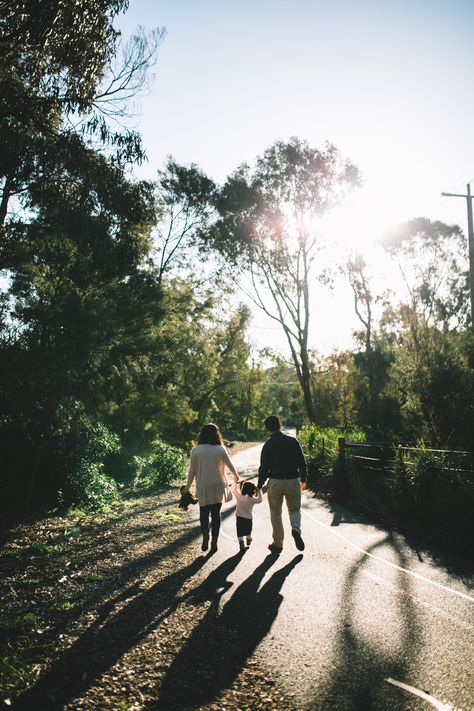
[(100, 646), (222, 642)]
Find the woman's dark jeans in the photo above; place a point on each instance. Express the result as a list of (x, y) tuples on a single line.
[(214, 510)]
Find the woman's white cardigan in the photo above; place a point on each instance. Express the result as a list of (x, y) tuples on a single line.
[(208, 464)]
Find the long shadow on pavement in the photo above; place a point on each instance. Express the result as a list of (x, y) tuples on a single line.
[(222, 643)]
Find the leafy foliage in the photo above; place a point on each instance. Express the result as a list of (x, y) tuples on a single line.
[(162, 465), (16, 671), (432, 257), (266, 228), (82, 450), (279, 393), (434, 491), (118, 336), (320, 445)]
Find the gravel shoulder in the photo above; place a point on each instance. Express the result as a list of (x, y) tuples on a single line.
[(111, 611)]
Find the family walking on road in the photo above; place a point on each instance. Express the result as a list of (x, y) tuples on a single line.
[(282, 462)]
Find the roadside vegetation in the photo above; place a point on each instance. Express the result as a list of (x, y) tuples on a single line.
[(417, 489), (121, 329), (125, 325)]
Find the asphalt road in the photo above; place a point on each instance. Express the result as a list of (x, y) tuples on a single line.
[(361, 620)]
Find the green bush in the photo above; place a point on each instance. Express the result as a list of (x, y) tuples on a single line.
[(430, 491), (320, 445), (161, 465), (91, 488), (83, 448)]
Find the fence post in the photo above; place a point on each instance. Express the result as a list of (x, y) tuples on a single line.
[(341, 466), (402, 488), (400, 454), (342, 451)]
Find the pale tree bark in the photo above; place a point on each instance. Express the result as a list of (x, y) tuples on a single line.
[(284, 297)]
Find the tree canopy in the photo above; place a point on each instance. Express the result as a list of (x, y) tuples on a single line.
[(267, 227), (121, 328)]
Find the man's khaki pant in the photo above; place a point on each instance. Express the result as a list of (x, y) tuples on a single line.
[(288, 489)]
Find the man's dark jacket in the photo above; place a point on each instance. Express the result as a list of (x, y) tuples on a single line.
[(281, 458)]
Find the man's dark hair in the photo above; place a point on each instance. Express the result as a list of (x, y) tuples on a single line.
[(272, 423)]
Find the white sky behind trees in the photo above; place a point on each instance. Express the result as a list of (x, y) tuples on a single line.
[(390, 83)]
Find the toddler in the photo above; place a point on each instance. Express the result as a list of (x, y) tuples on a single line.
[(246, 496)]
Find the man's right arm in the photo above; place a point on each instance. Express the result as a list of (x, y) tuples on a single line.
[(264, 467), (302, 467)]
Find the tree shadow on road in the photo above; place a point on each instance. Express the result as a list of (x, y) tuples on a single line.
[(455, 562), (362, 659), (223, 641)]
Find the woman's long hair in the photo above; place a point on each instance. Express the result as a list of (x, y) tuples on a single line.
[(210, 435)]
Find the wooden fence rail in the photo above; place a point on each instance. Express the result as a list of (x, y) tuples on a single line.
[(365, 453)]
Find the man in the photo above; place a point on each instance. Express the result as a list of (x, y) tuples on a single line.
[(282, 460)]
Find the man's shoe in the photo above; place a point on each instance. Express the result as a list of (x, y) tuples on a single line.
[(241, 545), (275, 549), (205, 541), (299, 543), (249, 540)]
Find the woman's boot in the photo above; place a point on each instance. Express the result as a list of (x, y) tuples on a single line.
[(213, 547), (205, 540)]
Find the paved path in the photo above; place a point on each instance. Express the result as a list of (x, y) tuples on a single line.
[(359, 621)]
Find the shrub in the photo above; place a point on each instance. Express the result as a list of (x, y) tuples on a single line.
[(432, 490), (161, 465), (91, 488), (83, 449), (320, 445)]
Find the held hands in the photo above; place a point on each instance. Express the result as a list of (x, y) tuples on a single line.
[(303, 485)]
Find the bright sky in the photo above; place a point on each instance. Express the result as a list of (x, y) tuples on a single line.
[(389, 83)]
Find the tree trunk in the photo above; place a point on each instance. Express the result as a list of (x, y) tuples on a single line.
[(305, 382), (301, 362), (6, 192), (308, 401), (32, 480)]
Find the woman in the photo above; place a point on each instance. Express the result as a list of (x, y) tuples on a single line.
[(209, 460)]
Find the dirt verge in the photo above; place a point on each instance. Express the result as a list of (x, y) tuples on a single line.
[(101, 612)]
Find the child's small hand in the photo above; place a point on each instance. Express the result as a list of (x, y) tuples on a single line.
[(236, 479)]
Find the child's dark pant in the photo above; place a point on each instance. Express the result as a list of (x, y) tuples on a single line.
[(244, 526), (214, 511)]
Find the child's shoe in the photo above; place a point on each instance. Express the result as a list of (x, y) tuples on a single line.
[(249, 540), (205, 541)]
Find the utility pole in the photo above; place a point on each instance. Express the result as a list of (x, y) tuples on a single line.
[(470, 236)]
